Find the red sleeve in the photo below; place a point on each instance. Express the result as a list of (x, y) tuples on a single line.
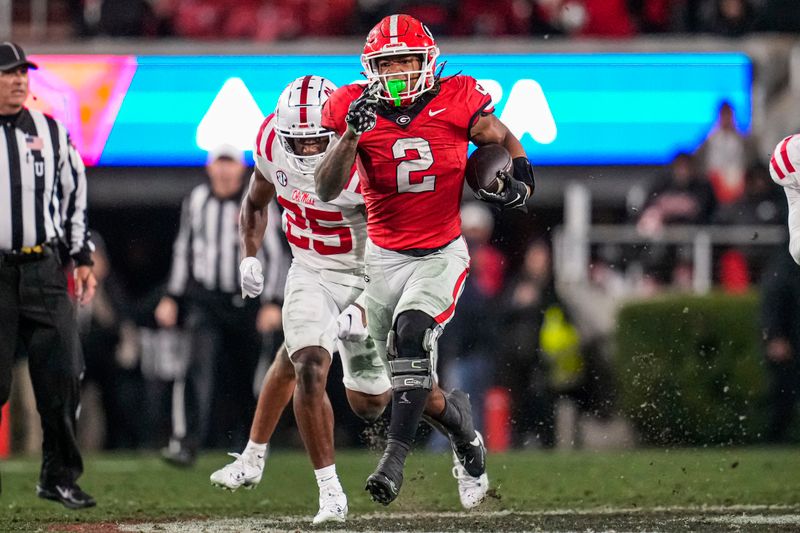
[(335, 109), (476, 99)]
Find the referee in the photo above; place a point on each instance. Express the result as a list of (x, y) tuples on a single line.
[(215, 403), (42, 213)]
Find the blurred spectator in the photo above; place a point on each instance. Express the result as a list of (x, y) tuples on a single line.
[(588, 18), (730, 18), (487, 263), (256, 19), (489, 19), (606, 18), (780, 308), (778, 15), (110, 348), (204, 283), (437, 14), (725, 155), (654, 16), (762, 203), (521, 367), (680, 196), (115, 18)]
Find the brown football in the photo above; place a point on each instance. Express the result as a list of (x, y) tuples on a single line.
[(484, 165)]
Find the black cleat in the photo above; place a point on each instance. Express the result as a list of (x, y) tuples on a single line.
[(381, 488), (178, 455), (471, 453), (70, 496), (384, 484)]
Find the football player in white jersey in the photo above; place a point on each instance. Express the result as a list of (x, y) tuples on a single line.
[(320, 313), (784, 167)]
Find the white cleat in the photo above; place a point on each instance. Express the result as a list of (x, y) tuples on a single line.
[(471, 490), (245, 472), (332, 507)]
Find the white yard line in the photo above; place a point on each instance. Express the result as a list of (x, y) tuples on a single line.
[(731, 515)]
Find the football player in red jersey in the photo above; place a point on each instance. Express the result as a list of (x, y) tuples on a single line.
[(408, 131)]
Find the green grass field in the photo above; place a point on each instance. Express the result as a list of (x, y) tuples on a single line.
[(648, 490)]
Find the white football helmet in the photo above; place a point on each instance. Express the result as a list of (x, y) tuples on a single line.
[(784, 166), (298, 115)]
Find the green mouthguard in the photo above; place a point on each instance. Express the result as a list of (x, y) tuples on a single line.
[(395, 88)]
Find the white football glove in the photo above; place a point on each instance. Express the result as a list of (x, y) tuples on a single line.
[(352, 324), (251, 276)]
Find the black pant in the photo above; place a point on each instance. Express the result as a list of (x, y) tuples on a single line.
[(37, 316), (784, 391), (225, 347)]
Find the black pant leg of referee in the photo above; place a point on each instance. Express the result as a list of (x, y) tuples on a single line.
[(234, 403), (205, 343), (48, 330), (9, 321)]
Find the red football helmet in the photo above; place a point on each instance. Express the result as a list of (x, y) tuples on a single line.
[(399, 35)]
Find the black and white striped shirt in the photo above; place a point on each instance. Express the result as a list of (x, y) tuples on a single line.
[(42, 185), (206, 250)]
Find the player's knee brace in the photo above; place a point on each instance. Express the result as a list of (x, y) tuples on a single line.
[(412, 351)]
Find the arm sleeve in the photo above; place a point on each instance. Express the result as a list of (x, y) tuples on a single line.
[(73, 210), (181, 256), (476, 100), (335, 110), (793, 199), (276, 257)]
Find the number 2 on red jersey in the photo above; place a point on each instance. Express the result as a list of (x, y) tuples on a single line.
[(405, 167)]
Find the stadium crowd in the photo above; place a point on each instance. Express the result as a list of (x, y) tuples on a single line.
[(214, 19)]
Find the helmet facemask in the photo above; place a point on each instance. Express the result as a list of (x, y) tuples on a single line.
[(305, 164), (396, 94)]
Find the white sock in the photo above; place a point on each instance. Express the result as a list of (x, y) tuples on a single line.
[(326, 477), (256, 449)]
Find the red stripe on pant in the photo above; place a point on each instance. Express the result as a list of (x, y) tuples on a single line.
[(447, 313)]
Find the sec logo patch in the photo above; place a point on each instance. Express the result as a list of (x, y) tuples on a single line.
[(282, 178)]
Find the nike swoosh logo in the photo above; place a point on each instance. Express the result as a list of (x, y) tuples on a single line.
[(433, 113), (65, 493), (476, 441)]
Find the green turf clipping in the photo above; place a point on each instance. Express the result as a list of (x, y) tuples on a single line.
[(653, 490)]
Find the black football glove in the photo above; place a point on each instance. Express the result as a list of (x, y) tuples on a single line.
[(361, 113), (513, 195)]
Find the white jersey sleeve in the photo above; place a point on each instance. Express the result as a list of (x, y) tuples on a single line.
[(793, 199), (322, 235)]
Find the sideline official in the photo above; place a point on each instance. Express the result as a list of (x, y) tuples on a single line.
[(215, 403), (42, 213)]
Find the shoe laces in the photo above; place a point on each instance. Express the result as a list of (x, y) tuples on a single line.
[(464, 479), (332, 498)]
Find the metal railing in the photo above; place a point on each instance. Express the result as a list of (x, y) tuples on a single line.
[(572, 242)]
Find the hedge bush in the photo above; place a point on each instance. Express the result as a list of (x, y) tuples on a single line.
[(690, 369)]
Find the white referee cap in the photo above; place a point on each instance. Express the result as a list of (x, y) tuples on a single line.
[(227, 151)]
